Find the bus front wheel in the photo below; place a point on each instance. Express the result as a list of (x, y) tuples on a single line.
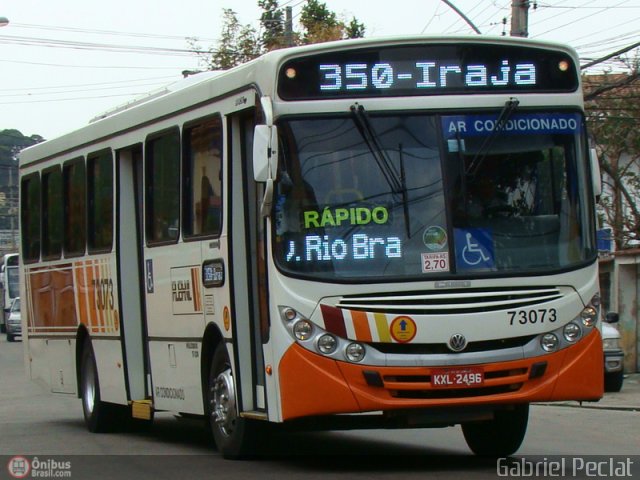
[(499, 437), (235, 437)]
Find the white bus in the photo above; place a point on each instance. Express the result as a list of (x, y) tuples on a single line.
[(9, 282), (359, 234)]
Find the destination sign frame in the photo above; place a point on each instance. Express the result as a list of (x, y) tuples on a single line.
[(428, 69)]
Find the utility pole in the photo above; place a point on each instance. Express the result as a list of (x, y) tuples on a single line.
[(288, 27), (520, 18)]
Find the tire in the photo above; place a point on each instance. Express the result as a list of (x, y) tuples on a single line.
[(10, 338), (235, 437), (613, 381), (98, 416), (499, 437)]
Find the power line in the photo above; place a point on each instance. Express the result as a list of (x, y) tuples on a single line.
[(127, 67), (51, 42), (579, 19), (108, 32)]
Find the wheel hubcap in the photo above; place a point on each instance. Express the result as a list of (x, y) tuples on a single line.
[(89, 390), (223, 403)]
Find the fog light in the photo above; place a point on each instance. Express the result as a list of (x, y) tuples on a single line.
[(571, 332), (354, 352), (289, 314), (327, 344), (589, 316), (549, 342), (303, 329)]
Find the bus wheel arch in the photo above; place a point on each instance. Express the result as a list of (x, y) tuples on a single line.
[(210, 341), (81, 336)]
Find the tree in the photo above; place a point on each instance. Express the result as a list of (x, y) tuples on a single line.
[(238, 44), (322, 25), (241, 43), (613, 118), (273, 28), (11, 143)]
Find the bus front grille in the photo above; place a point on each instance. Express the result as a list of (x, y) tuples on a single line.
[(450, 302)]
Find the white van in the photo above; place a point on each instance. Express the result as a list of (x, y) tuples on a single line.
[(613, 354)]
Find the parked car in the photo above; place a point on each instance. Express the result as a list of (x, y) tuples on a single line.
[(613, 354), (14, 321)]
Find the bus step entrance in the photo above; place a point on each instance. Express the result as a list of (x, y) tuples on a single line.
[(142, 409)]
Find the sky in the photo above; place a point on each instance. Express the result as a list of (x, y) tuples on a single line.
[(64, 62)]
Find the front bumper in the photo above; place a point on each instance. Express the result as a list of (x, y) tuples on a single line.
[(613, 361), (14, 328), (315, 385)]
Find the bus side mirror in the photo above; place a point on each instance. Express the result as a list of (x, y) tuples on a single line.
[(595, 172), (265, 155), (612, 317)]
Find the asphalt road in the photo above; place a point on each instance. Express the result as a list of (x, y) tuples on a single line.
[(44, 428)]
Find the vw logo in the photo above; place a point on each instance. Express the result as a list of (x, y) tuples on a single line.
[(457, 342)]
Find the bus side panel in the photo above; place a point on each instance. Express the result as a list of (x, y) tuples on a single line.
[(176, 376), (37, 361), (108, 353), (60, 298)]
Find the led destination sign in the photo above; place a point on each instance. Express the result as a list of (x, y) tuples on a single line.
[(426, 70)]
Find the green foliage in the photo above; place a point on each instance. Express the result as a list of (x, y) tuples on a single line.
[(272, 21), (238, 44), (241, 43), (612, 118), (11, 143)]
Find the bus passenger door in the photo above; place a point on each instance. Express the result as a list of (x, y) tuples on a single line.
[(248, 277), (131, 287)]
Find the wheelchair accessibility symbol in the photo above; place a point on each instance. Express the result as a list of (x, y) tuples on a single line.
[(474, 248)]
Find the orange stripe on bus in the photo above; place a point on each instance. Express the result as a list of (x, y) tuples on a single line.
[(195, 290), (80, 293), (361, 325)]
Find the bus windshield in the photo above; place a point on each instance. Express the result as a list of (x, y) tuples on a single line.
[(13, 281), (367, 197)]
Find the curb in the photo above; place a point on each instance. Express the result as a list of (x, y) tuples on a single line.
[(623, 408)]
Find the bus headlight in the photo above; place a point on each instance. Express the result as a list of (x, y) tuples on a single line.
[(611, 344), (303, 329), (327, 344), (571, 332), (589, 316), (355, 352), (549, 342)]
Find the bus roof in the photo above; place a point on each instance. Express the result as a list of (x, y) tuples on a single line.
[(202, 88)]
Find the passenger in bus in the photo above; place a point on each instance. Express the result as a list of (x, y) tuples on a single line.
[(210, 207)]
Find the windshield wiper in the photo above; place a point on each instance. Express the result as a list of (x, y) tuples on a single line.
[(396, 180), (510, 106), (371, 139)]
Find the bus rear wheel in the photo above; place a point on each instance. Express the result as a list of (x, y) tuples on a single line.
[(235, 437), (499, 437), (98, 415)]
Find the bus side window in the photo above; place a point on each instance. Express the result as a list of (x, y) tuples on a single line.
[(30, 221), (203, 177), (52, 213), (162, 179), (75, 207), (100, 181)]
